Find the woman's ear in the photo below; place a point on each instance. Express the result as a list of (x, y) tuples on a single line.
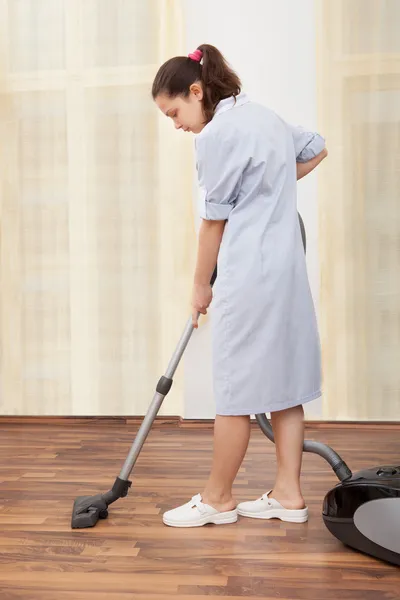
[(197, 90)]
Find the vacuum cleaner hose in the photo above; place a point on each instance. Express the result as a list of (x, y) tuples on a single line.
[(338, 465)]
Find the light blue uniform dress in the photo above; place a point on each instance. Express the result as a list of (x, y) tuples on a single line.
[(265, 341)]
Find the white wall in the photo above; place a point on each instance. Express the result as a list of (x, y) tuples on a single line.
[(271, 44)]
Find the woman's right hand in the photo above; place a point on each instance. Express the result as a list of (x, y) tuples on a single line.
[(201, 300)]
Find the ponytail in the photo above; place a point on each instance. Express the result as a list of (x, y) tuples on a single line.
[(218, 79), (206, 65)]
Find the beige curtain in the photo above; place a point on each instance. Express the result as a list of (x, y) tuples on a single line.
[(97, 233), (359, 111)]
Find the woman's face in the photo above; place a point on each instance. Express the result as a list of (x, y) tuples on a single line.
[(186, 112)]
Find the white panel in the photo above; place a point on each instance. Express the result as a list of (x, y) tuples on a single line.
[(121, 138), (118, 33), (36, 35), (363, 24), (42, 146), (43, 243)]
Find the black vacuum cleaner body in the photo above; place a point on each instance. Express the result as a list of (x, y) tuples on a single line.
[(364, 512)]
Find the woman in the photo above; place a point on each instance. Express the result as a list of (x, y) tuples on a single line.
[(266, 350)]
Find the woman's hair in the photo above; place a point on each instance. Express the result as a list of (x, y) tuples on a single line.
[(218, 80)]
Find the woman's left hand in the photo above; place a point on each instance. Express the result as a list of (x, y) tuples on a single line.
[(201, 300)]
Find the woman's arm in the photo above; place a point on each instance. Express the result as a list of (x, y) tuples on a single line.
[(210, 237), (303, 168)]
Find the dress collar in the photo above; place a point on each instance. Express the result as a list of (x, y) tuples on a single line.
[(228, 103)]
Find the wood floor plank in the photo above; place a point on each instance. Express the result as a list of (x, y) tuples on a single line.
[(132, 555), (46, 595)]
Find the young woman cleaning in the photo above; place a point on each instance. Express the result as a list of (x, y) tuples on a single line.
[(266, 348)]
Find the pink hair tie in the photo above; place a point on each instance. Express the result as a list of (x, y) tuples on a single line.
[(197, 55)]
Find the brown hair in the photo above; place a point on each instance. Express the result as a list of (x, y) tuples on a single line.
[(218, 80)]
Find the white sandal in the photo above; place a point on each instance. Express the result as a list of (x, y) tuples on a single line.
[(269, 508), (195, 514)]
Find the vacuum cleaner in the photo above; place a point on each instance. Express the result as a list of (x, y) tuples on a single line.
[(362, 510)]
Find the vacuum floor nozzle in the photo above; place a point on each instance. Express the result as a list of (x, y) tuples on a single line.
[(87, 510)]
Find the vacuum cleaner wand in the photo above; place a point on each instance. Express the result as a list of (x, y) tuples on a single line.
[(87, 510)]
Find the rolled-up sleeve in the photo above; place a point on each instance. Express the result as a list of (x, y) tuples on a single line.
[(220, 164), (307, 144)]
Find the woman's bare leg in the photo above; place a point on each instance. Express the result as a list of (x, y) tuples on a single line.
[(288, 428), (231, 439)]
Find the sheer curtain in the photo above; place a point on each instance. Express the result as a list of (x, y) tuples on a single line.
[(359, 104), (97, 230)]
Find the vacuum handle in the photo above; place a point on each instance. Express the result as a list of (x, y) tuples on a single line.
[(163, 387), (213, 276)]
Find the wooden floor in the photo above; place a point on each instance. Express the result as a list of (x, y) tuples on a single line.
[(133, 555)]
